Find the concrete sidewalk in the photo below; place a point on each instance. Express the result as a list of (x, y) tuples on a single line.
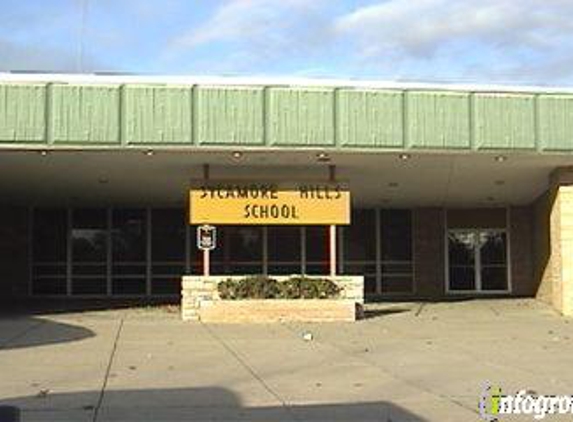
[(406, 362)]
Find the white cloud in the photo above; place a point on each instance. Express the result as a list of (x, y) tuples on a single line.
[(262, 22), (421, 28)]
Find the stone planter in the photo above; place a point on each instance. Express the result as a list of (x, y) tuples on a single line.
[(201, 302)]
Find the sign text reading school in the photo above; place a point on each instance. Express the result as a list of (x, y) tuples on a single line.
[(267, 203)]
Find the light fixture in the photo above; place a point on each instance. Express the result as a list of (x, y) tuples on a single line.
[(102, 181), (393, 184), (43, 153), (500, 182), (237, 155), (500, 158), (150, 153), (404, 156), (322, 157), (490, 198)]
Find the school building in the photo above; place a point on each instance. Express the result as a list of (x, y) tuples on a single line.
[(455, 190)]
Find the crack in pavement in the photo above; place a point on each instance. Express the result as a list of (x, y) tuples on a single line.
[(107, 371), (245, 365)]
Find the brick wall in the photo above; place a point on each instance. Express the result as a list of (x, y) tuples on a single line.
[(429, 264), (521, 251), (542, 275), (13, 251)]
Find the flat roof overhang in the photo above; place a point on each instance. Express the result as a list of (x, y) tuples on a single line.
[(163, 177), (91, 111)]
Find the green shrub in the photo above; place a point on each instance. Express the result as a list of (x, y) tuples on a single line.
[(263, 287), (253, 287), (300, 287)]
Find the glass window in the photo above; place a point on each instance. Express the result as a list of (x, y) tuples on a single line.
[(360, 237), (461, 254), (284, 252), (360, 248), (396, 235), (168, 233), (317, 254), (49, 249), (477, 260), (396, 251), (493, 253), (239, 250), (89, 251), (129, 251)]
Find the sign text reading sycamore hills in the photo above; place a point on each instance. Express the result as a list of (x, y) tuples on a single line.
[(268, 204)]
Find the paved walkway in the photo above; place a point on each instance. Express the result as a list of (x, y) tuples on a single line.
[(406, 362)]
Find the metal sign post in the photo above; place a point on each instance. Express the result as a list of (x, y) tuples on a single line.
[(206, 241)]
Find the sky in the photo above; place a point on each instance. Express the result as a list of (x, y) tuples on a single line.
[(479, 41)]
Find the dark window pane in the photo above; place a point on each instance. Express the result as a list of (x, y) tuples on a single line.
[(284, 269), (167, 269), (130, 269), (370, 285), (49, 246), (396, 235), (195, 255), (461, 248), (129, 251), (50, 235), (360, 268), (50, 270), (317, 256), (317, 268), (128, 286), (166, 285), (49, 286), (397, 268), (129, 235), (317, 243), (360, 236), (462, 278), (493, 248), (397, 284), (89, 251), (284, 252), (89, 269), (284, 243), (89, 236), (89, 286), (239, 250), (168, 235), (494, 278)]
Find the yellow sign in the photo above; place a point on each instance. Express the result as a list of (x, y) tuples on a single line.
[(268, 204)]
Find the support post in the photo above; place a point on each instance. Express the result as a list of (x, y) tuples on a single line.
[(332, 232), (206, 253), (333, 250)]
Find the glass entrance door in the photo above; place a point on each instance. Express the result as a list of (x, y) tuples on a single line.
[(477, 261)]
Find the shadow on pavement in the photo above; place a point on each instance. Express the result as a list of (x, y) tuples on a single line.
[(191, 404), (47, 306), (376, 313), (32, 331)]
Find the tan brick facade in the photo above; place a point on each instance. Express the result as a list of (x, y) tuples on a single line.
[(553, 240)]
